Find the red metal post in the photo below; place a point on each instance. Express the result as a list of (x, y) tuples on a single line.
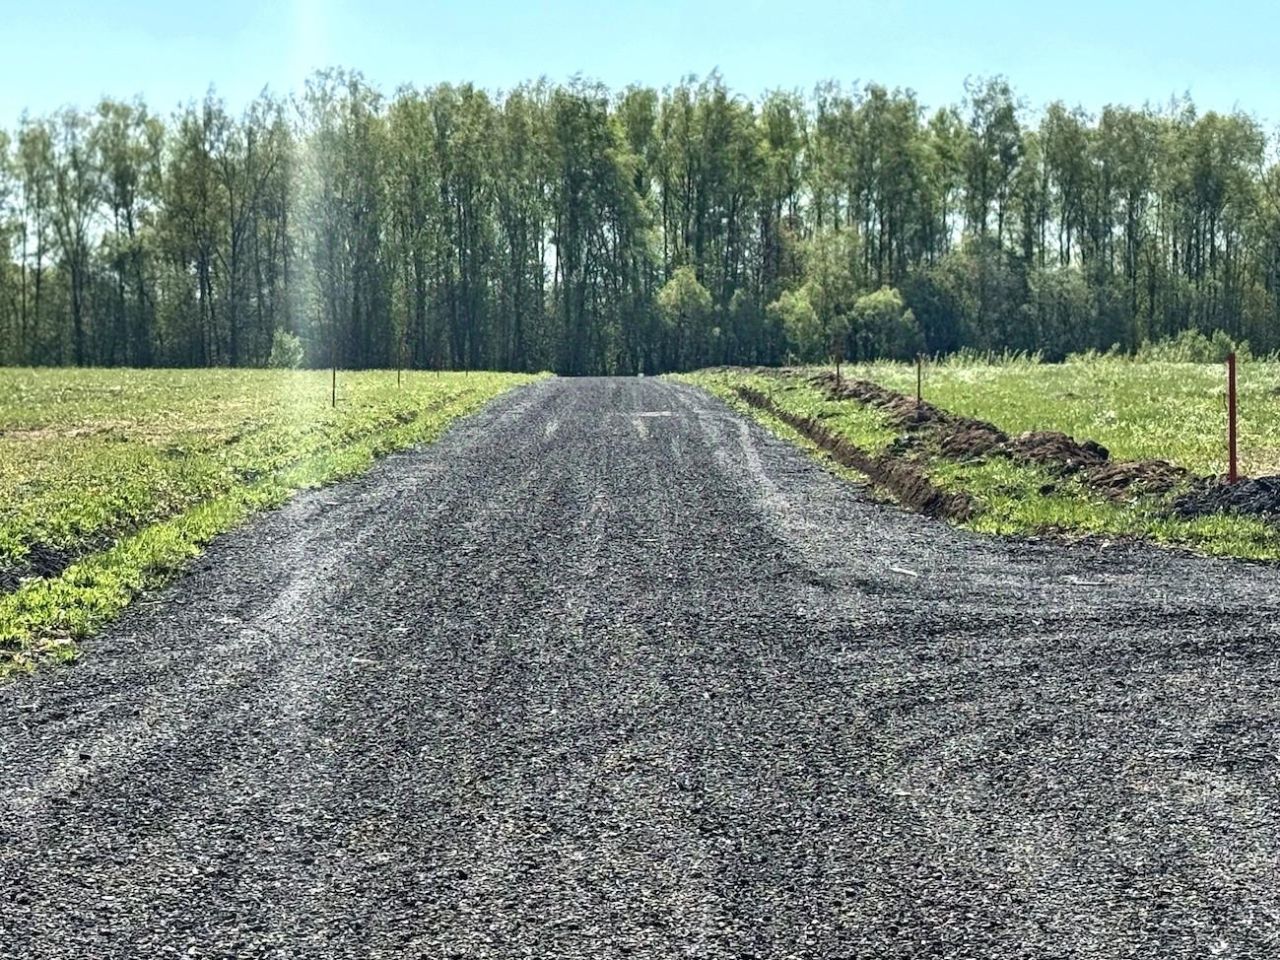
[(1233, 470)]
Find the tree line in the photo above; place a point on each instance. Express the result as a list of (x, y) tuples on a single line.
[(573, 228)]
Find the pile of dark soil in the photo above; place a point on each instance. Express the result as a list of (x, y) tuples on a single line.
[(1145, 476), (901, 477), (1057, 451), (41, 561), (1256, 497), (967, 438), (971, 440), (902, 410)]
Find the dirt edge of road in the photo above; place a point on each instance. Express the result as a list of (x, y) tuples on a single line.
[(902, 478), (929, 434)]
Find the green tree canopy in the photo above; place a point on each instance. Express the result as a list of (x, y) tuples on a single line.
[(576, 228)]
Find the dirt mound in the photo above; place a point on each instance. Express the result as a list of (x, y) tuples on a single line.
[(1256, 497), (971, 440), (1137, 476), (961, 437), (904, 479), (1056, 451), (902, 410), (958, 437), (965, 438)]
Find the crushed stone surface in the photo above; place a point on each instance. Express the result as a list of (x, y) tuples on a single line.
[(608, 671)]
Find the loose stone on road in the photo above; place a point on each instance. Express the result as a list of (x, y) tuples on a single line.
[(609, 671)]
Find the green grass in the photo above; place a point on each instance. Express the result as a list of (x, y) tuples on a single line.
[(132, 472), (1083, 399), (1138, 411)]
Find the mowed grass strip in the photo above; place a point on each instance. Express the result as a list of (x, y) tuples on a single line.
[(126, 474), (1021, 499)]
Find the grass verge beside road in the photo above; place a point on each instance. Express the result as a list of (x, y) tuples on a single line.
[(1011, 496), (110, 480)]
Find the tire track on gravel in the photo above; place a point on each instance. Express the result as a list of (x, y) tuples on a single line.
[(608, 671)]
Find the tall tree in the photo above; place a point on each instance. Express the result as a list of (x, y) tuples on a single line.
[(77, 185), (572, 227)]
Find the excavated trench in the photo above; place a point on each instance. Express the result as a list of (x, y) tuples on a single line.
[(925, 426), (967, 438), (904, 479)]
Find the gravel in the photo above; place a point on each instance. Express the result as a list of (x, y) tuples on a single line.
[(610, 672)]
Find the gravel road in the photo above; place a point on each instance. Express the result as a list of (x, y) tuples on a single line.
[(610, 672)]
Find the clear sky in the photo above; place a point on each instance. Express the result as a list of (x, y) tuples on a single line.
[(1092, 52)]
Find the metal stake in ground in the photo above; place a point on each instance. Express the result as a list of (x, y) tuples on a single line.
[(919, 378), (1233, 472), (837, 354)]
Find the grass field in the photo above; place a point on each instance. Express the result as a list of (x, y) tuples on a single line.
[(1174, 412), (1167, 411), (110, 479)]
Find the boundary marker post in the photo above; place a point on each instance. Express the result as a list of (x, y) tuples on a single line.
[(1233, 463)]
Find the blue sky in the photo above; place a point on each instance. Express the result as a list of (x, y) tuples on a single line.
[(1089, 52)]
